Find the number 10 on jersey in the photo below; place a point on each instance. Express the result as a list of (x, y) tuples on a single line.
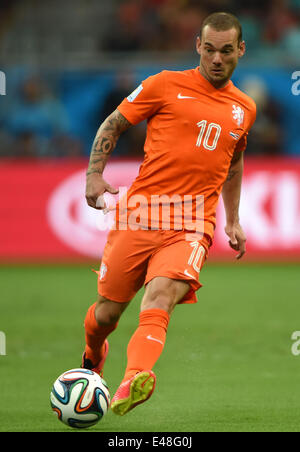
[(211, 134)]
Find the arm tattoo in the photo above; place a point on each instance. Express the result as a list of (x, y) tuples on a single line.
[(106, 140), (237, 156), (231, 174)]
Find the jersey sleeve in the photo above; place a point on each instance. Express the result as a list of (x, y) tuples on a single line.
[(145, 100), (242, 143)]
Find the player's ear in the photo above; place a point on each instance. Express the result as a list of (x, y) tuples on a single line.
[(198, 45), (242, 49)]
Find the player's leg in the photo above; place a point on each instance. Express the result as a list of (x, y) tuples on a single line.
[(172, 278), (100, 321), (164, 293), (147, 343), (121, 275)]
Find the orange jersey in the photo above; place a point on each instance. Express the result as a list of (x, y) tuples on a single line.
[(193, 130)]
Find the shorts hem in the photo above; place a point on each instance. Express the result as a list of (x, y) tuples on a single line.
[(190, 297), (195, 285), (115, 299)]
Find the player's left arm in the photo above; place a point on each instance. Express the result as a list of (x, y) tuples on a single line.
[(231, 194)]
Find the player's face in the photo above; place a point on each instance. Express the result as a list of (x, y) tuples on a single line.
[(220, 52)]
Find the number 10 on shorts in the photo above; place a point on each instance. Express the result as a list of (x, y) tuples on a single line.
[(197, 256)]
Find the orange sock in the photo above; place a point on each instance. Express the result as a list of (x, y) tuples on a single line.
[(147, 343), (95, 336)]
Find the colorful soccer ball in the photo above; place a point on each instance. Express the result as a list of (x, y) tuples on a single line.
[(80, 398)]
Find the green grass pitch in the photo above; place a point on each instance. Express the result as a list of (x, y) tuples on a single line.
[(227, 364)]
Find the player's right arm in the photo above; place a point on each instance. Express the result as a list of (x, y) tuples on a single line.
[(144, 102), (103, 145)]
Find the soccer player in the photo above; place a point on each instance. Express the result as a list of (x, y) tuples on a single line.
[(197, 126)]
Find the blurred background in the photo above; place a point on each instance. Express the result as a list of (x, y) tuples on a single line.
[(69, 64)]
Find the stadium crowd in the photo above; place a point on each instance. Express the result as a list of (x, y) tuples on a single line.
[(170, 24), (37, 124)]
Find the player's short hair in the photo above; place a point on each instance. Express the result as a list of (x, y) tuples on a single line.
[(223, 21)]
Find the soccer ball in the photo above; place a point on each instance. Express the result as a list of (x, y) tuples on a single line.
[(80, 398)]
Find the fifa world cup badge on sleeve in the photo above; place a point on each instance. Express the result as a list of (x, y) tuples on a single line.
[(135, 93)]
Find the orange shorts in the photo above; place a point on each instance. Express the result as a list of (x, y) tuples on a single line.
[(132, 259)]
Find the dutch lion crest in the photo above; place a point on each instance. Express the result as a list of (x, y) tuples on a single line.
[(238, 114)]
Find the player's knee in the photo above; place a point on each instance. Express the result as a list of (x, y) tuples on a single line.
[(164, 293), (158, 300), (106, 317), (108, 312)]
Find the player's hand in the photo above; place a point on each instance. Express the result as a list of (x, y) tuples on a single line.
[(96, 186), (237, 239)]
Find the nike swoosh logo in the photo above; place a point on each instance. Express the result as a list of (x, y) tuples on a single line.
[(188, 274), (154, 339), (180, 96)]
